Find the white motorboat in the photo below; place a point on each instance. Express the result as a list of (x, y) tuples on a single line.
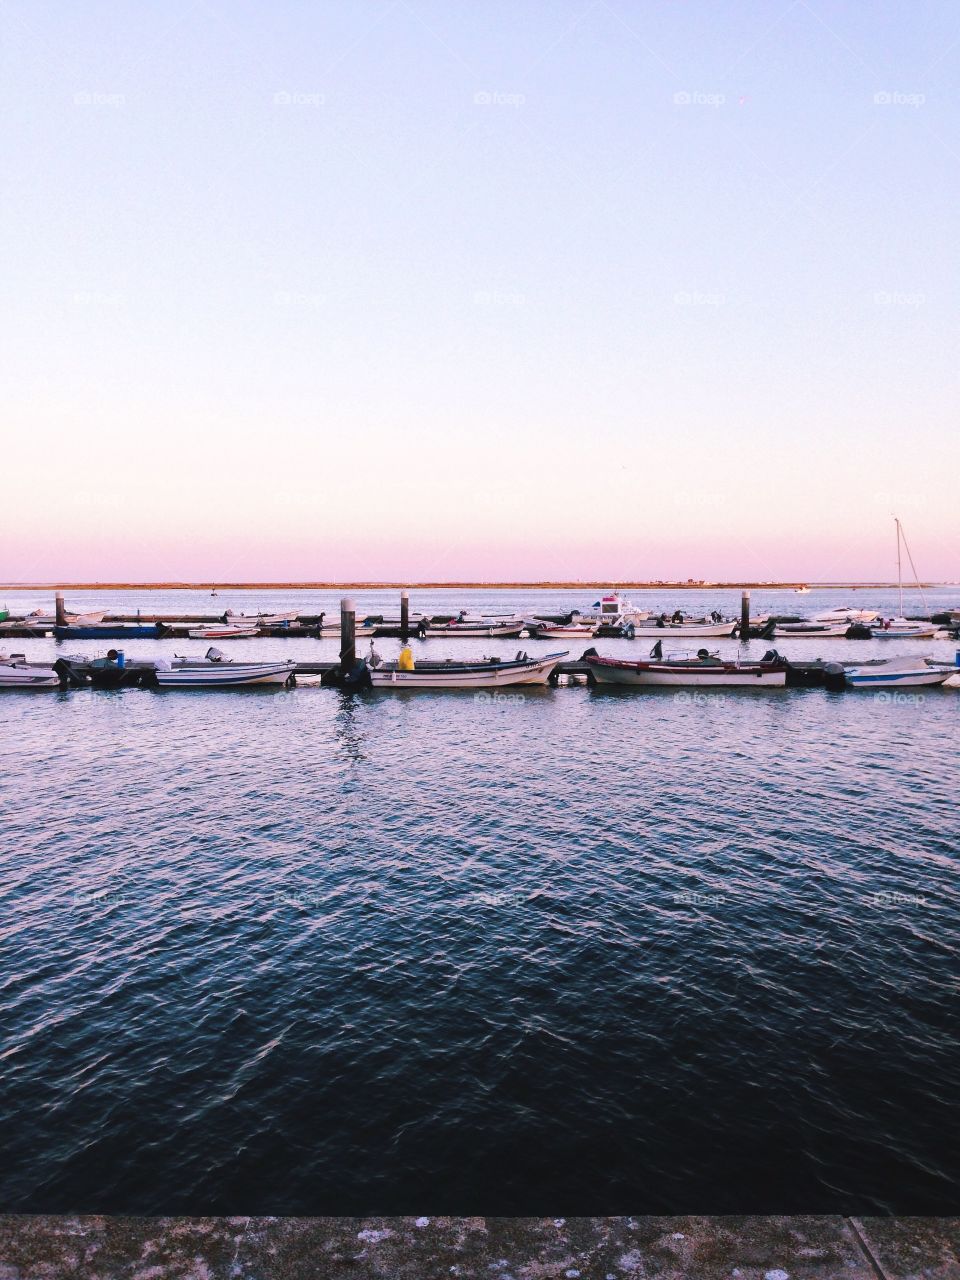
[(225, 675), (615, 610), (16, 675), (485, 673), (895, 673), (703, 670)]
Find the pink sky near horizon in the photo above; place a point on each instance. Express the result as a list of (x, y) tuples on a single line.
[(681, 306)]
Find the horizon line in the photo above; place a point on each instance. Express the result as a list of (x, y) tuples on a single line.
[(688, 585)]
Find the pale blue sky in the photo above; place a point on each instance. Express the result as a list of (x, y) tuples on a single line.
[(479, 290)]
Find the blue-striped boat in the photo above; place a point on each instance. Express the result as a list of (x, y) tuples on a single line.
[(895, 673), (112, 631)]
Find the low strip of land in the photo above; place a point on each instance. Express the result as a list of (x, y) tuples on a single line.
[(585, 585)]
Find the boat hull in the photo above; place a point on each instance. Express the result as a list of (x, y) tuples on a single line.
[(225, 677), (131, 631), (692, 629), (666, 675), (893, 674), (14, 677), (903, 633), (467, 675), (794, 630), (468, 632), (547, 632), (222, 633)]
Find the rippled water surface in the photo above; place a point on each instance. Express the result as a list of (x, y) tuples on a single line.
[(301, 951)]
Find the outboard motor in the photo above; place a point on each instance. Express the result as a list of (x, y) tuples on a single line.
[(69, 679), (214, 654), (834, 677), (358, 677), (657, 650), (589, 653)]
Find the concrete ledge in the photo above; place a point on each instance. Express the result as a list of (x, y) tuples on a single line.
[(642, 1248)]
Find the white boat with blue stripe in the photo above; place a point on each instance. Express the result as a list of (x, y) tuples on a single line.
[(895, 673), (206, 674)]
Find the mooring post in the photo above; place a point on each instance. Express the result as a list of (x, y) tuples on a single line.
[(404, 615), (348, 635), (745, 615), (60, 610)]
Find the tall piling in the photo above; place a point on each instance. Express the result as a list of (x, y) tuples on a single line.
[(348, 634), (745, 615), (404, 615), (61, 613)]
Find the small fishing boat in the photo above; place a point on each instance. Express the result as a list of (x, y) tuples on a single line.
[(111, 631), (903, 629), (225, 632), (16, 675), (540, 630), (693, 630), (478, 629), (895, 673), (225, 675), (484, 673), (802, 591), (847, 613), (705, 669), (790, 630), (276, 619)]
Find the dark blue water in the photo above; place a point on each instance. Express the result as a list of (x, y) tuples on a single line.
[(298, 951)]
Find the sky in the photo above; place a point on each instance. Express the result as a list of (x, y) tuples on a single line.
[(426, 290)]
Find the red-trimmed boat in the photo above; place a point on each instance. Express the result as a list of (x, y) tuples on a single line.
[(679, 670)]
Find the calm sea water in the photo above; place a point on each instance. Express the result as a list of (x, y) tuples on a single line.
[(300, 951)]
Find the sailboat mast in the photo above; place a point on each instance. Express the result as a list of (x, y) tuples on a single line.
[(896, 521)]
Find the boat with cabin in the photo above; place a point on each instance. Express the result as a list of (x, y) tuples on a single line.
[(614, 610)]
